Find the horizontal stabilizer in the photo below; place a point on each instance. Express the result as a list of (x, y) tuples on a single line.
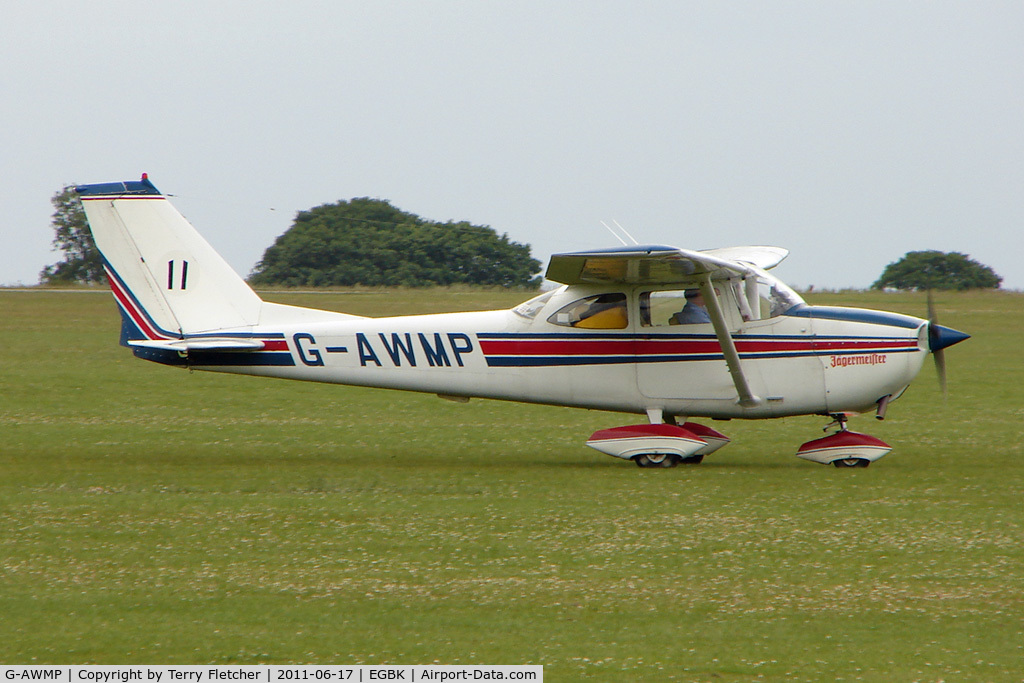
[(204, 344)]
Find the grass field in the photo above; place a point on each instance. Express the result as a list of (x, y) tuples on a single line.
[(149, 515)]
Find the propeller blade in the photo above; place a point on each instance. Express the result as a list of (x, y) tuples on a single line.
[(932, 317), (939, 338), (940, 368), (938, 355)]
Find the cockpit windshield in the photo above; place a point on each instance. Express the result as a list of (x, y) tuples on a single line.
[(776, 297), (530, 309), (761, 296)]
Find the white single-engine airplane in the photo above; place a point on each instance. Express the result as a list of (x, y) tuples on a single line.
[(654, 330)]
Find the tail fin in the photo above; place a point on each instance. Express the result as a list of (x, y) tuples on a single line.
[(168, 281)]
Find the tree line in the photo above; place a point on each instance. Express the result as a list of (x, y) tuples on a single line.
[(370, 242), (363, 241)]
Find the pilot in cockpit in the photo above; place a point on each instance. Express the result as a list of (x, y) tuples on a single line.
[(695, 310)]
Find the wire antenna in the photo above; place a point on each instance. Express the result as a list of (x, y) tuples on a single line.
[(625, 232), (615, 234)]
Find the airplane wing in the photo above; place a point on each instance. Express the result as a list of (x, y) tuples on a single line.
[(664, 265), (764, 258), (658, 264)]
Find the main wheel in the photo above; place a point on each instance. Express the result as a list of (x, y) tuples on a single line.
[(851, 462), (655, 460)]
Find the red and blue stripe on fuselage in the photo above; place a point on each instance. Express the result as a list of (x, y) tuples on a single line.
[(583, 348), (138, 325)]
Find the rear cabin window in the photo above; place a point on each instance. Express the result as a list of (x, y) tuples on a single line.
[(598, 312)]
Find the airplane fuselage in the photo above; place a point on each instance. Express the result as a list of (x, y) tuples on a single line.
[(810, 361)]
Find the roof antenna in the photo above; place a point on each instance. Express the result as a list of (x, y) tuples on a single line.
[(625, 232), (615, 234)]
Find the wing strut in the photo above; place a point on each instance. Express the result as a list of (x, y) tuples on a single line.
[(732, 358)]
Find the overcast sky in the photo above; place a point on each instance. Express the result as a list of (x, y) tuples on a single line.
[(849, 133)]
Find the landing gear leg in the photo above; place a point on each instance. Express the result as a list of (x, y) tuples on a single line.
[(838, 420)]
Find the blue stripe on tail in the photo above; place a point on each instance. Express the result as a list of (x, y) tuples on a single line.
[(128, 187)]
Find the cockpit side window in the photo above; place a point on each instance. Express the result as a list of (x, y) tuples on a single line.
[(673, 307), (683, 306), (598, 312)]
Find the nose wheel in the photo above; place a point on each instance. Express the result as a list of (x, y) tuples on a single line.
[(844, 449), (851, 462)]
